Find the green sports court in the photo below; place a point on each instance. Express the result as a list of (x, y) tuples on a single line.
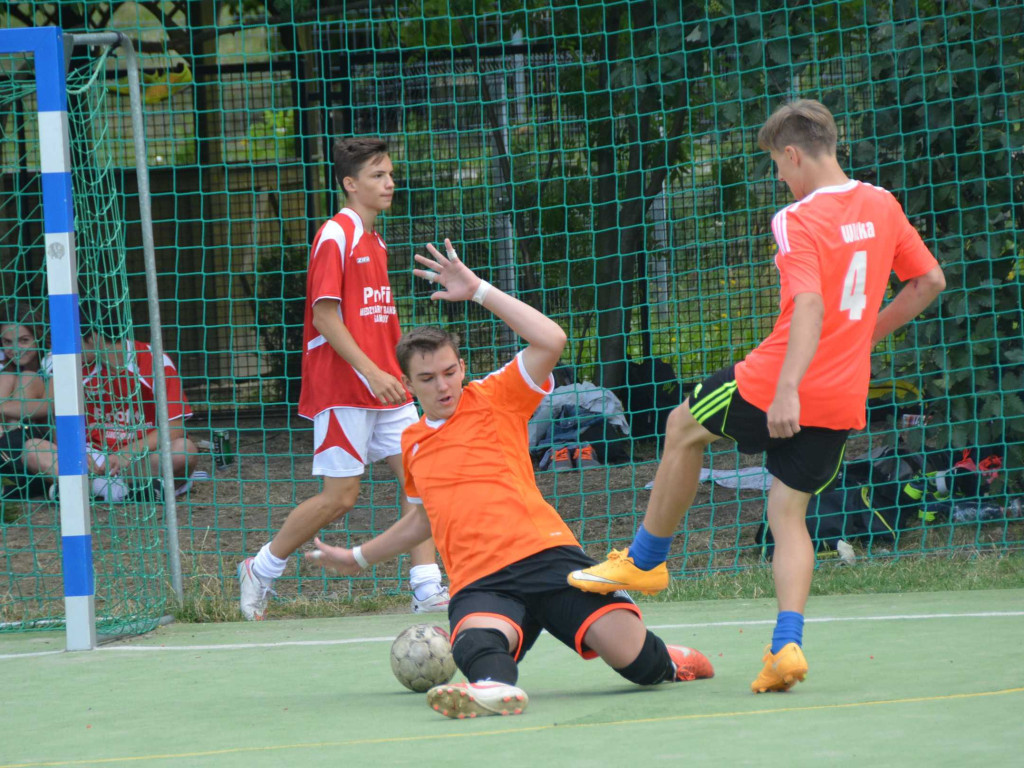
[(915, 679)]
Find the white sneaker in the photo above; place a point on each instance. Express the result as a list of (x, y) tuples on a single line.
[(436, 603), (254, 593), (462, 700), (845, 552)]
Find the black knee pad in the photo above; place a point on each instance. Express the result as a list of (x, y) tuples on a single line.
[(482, 654), (652, 665)]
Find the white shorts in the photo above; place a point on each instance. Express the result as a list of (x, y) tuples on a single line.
[(345, 440)]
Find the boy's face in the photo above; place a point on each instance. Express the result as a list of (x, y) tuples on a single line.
[(435, 380), (374, 186), (788, 162)]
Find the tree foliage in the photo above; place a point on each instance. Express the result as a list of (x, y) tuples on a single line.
[(630, 100)]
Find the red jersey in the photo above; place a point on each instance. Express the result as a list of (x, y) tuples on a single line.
[(120, 407), (473, 475), (841, 243), (349, 265)]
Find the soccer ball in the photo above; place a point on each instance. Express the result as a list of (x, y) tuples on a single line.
[(421, 657)]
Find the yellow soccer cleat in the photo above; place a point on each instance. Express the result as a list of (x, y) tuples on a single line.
[(619, 572), (782, 670)]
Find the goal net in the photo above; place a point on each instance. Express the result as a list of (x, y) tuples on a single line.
[(129, 558)]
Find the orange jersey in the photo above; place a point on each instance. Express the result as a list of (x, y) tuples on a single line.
[(841, 243), (473, 475)]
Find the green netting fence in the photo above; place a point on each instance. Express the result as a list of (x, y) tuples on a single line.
[(597, 159)]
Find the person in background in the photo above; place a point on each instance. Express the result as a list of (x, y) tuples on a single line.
[(350, 386), (121, 416)]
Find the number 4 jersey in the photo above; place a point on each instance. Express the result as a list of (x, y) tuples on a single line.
[(841, 243)]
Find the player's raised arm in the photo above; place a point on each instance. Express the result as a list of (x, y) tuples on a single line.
[(544, 337)]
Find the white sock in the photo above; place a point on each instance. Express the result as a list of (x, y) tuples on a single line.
[(109, 488), (268, 567), (425, 580)]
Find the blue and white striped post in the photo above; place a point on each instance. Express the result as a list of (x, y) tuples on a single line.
[(47, 46)]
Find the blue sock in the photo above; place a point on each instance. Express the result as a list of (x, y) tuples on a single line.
[(648, 550), (789, 628)]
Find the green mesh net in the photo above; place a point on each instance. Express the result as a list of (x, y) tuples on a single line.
[(599, 160), (128, 549)]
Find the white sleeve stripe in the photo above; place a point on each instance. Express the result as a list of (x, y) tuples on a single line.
[(415, 500), (780, 230), (530, 382), (332, 231)]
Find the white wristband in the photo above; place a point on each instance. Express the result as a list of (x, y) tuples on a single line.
[(481, 292), (357, 555)]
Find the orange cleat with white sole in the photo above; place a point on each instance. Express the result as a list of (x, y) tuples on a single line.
[(690, 663), (782, 670), (465, 700)]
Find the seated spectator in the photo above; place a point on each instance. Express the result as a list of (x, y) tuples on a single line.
[(22, 387), (120, 411), (22, 398)]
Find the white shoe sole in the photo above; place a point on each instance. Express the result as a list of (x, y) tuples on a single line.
[(459, 702)]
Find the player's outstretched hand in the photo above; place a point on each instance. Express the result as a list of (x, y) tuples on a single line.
[(336, 558), (455, 278)]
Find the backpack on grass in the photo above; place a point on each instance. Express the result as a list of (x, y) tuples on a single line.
[(887, 491)]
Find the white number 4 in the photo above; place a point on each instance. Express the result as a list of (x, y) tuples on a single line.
[(854, 299)]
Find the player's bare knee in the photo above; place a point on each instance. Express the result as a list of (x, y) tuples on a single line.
[(616, 636), (338, 497), (682, 431)]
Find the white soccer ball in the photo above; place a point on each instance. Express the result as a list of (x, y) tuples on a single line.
[(421, 657)]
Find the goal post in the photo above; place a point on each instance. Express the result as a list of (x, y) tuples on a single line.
[(50, 50)]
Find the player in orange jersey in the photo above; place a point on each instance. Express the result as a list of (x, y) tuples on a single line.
[(799, 393), (350, 386), (506, 550)]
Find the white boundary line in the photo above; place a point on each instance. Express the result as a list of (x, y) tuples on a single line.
[(358, 640), (835, 619)]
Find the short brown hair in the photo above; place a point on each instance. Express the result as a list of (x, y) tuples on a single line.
[(426, 339), (351, 154), (805, 123)]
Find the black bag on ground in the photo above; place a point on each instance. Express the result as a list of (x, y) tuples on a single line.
[(652, 390), (876, 496)]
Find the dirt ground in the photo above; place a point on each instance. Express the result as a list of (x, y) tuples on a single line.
[(237, 511), (234, 512)]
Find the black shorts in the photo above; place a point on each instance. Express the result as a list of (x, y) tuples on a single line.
[(532, 594), (15, 480), (808, 461)]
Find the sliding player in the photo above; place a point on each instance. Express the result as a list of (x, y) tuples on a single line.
[(506, 550)]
